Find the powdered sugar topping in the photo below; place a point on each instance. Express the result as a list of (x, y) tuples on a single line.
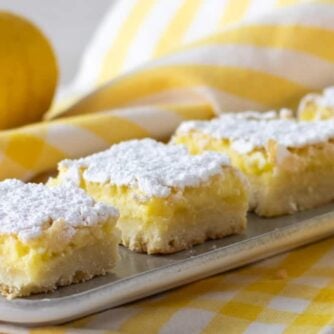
[(324, 100), (328, 97), (247, 134), (28, 209), (283, 113), (153, 167)]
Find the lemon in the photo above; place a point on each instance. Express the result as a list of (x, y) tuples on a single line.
[(28, 70)]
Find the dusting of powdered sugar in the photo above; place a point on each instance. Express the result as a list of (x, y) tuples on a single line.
[(327, 99), (28, 209), (150, 166), (247, 134), (324, 100), (267, 115)]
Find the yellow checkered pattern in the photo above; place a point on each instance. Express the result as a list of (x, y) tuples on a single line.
[(153, 64)]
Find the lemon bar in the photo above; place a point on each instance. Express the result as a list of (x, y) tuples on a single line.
[(289, 164), (52, 237), (168, 199), (317, 106)]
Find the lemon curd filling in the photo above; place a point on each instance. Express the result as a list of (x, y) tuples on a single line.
[(317, 106), (289, 164), (168, 199), (55, 237)]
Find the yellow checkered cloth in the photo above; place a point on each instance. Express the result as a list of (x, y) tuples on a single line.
[(153, 64)]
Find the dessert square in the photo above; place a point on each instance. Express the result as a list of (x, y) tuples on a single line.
[(314, 106), (168, 199), (52, 237), (289, 164)]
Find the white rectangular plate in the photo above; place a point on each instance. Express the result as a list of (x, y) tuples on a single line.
[(140, 275)]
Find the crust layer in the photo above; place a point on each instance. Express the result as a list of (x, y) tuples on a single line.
[(12, 292), (180, 237)]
